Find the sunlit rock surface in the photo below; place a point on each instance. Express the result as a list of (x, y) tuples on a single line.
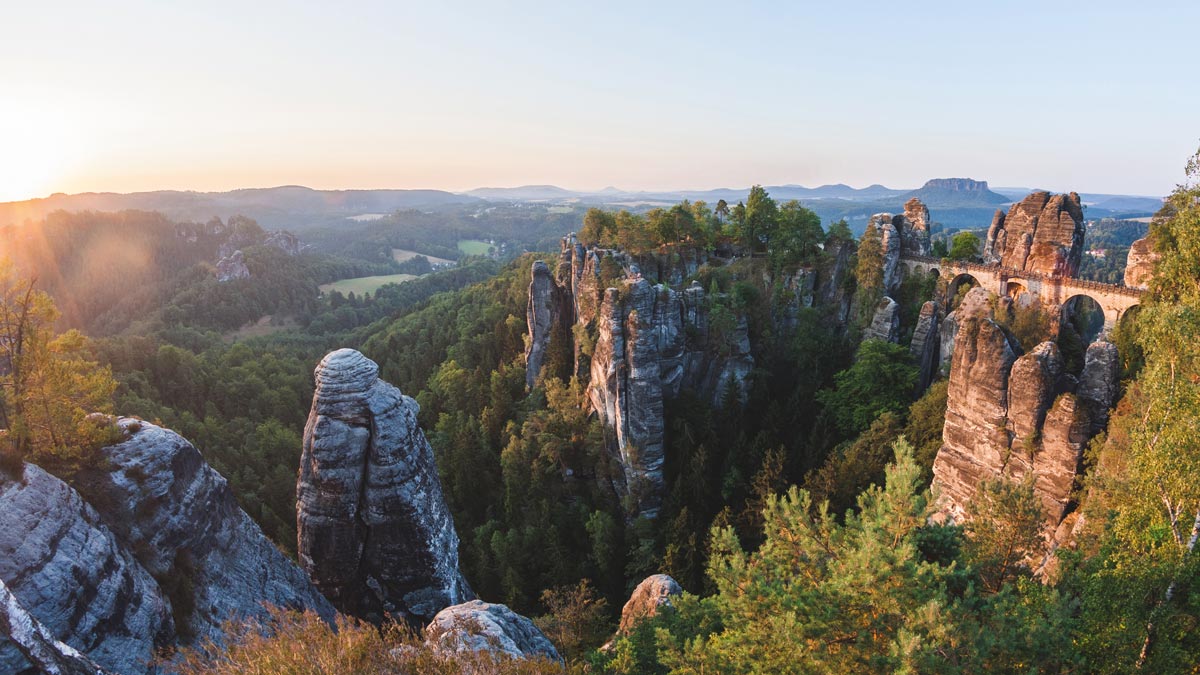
[(1042, 233), (485, 627)]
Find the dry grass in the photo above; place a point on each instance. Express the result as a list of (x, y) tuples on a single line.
[(294, 643)]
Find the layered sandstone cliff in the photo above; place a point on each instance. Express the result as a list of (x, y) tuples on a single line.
[(1014, 415), (1140, 265), (146, 549), (1042, 233), (181, 518), (375, 535)]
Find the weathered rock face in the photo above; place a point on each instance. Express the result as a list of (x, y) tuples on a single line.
[(1041, 234), (232, 266), (1014, 416), (38, 645), (889, 237), (284, 241), (904, 234), (1099, 382), (179, 516), (541, 317), (479, 626), (885, 324), (926, 345), (1139, 268), (375, 535), (914, 230), (650, 596), (67, 570)]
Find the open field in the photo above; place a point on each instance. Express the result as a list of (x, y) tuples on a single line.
[(264, 326), (473, 247), (360, 285), (402, 255)]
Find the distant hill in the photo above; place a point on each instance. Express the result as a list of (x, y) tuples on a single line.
[(528, 193), (957, 192), (289, 206)]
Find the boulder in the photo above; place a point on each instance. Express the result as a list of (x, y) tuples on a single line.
[(375, 534), (64, 568), (479, 626), (647, 600)]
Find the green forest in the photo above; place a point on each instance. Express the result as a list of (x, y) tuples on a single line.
[(797, 512)]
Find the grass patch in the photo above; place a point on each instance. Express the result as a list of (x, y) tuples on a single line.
[(361, 285), (473, 247), (401, 255)]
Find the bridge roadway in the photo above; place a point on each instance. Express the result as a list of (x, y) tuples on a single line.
[(1114, 300)]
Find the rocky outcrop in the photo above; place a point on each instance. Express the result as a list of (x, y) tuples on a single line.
[(889, 239), (1041, 234), (479, 626), (647, 600), (66, 569), (1016, 416), (902, 235), (926, 345), (35, 642), (232, 266), (542, 315), (284, 241), (181, 520), (1099, 382), (375, 535), (1139, 268), (885, 323)]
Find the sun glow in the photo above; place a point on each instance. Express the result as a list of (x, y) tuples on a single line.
[(34, 153)]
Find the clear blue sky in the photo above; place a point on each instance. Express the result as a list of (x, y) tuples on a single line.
[(124, 96)]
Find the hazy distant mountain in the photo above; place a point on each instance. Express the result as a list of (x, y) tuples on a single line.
[(286, 206), (525, 193), (955, 192)]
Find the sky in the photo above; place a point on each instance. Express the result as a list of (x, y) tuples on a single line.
[(129, 96)]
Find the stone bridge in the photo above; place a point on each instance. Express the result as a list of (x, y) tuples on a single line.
[(1114, 300)]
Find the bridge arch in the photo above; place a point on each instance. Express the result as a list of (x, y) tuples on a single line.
[(1088, 316), (961, 282)]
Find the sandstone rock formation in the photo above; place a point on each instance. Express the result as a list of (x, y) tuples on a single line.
[(904, 234), (375, 535), (885, 324), (655, 592), (926, 345), (1099, 382), (37, 644), (652, 336), (284, 241), (1041, 234), (479, 626), (66, 569), (1012, 415), (1139, 268), (541, 317), (232, 267), (180, 517)]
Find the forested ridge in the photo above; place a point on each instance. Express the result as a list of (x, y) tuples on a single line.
[(797, 512)]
